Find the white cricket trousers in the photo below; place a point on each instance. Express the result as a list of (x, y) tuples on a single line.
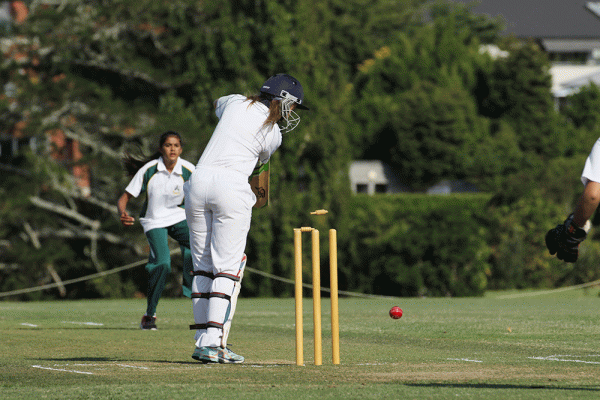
[(218, 206)]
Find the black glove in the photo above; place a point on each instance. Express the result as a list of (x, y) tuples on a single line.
[(564, 240)]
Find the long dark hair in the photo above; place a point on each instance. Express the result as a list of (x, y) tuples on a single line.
[(269, 101), (132, 164)]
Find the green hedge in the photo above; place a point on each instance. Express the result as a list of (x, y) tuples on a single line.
[(418, 245), (459, 245)]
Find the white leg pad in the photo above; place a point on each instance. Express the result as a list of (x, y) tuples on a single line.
[(233, 304), (221, 307), (200, 284), (217, 310)]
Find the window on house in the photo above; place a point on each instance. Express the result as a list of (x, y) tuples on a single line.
[(574, 56), (362, 188)]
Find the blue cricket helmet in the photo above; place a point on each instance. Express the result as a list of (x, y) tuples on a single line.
[(285, 86)]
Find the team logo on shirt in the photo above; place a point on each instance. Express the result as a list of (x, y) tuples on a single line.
[(177, 190)]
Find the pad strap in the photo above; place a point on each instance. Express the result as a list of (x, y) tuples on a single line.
[(209, 295), (202, 273), (210, 324), (234, 278), (220, 295)]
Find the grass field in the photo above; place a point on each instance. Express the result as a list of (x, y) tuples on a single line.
[(543, 346)]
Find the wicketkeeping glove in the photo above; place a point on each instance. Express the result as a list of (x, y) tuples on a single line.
[(564, 240)]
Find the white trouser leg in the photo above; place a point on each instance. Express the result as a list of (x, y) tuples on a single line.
[(218, 209)]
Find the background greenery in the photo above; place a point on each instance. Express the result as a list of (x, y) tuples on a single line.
[(401, 81)]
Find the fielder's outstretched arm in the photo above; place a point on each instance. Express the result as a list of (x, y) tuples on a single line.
[(564, 240)]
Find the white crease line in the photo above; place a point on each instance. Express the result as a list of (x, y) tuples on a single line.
[(131, 366), (554, 358), (372, 364), (569, 355), (98, 367), (62, 370), (82, 323), (464, 359), (28, 324)]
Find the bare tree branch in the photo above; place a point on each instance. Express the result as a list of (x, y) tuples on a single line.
[(56, 278), (32, 235), (95, 225), (131, 74), (81, 234)]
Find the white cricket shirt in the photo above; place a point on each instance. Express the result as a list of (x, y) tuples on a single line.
[(240, 139), (591, 170), (164, 192)]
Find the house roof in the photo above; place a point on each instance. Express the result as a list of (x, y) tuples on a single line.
[(543, 18)]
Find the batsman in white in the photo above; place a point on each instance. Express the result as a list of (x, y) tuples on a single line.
[(564, 240), (219, 204)]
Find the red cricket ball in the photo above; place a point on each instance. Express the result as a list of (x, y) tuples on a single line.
[(396, 312)]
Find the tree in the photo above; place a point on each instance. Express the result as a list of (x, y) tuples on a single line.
[(402, 81), (438, 132), (475, 26), (110, 76), (415, 104), (581, 108), (519, 92)]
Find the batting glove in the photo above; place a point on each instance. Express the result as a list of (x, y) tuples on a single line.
[(564, 240)]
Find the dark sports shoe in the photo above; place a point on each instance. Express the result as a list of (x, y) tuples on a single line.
[(148, 323)]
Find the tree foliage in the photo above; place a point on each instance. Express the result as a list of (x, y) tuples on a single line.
[(402, 81), (579, 108)]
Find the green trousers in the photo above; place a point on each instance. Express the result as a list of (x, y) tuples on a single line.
[(159, 263)]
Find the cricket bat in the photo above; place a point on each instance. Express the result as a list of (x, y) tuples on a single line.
[(259, 182)]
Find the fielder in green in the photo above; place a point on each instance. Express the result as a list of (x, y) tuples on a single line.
[(161, 177)]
